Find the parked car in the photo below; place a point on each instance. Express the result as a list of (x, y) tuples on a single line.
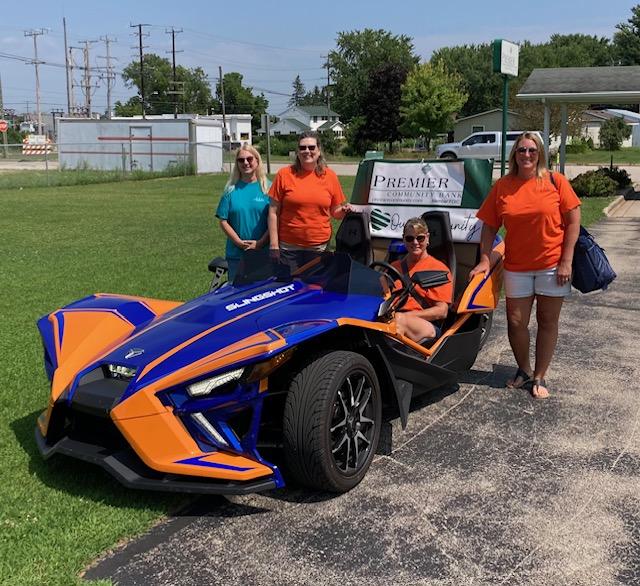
[(294, 367), (479, 145)]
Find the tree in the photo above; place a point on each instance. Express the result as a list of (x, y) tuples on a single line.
[(316, 97), (357, 54), (381, 103), (158, 82), (430, 97), (239, 99), (472, 65), (298, 93), (627, 40), (613, 132)]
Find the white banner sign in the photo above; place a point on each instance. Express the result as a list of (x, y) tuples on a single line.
[(387, 222), (417, 184)]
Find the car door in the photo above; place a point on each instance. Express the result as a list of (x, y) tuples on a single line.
[(481, 145)]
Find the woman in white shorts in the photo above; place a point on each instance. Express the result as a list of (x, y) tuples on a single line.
[(541, 215)]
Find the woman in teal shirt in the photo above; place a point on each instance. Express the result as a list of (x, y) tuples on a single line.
[(243, 208)]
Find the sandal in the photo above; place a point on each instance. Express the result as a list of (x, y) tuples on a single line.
[(538, 388), (523, 376)]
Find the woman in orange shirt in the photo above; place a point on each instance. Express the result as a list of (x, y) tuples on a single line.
[(541, 216), (304, 198), (415, 319)]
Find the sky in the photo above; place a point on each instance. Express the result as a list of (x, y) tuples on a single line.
[(269, 43)]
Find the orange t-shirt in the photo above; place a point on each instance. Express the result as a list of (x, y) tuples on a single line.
[(531, 211), (305, 205), (433, 294)]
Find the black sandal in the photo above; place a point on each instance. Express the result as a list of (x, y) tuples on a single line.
[(526, 379), (537, 383)]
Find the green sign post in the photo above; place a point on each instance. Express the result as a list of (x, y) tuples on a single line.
[(505, 62)]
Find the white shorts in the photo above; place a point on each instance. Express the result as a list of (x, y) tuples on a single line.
[(528, 283)]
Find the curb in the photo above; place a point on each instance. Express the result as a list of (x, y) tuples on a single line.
[(614, 205)]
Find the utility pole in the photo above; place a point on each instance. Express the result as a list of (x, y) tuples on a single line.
[(140, 47), (224, 116), (87, 77), (35, 34), (110, 76), (4, 134), (67, 68), (174, 92)]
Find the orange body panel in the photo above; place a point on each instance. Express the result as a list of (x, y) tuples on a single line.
[(161, 439), (484, 293), (85, 334)]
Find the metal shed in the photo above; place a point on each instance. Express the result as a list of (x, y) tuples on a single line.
[(140, 144)]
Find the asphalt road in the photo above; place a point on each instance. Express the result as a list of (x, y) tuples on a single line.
[(485, 486)]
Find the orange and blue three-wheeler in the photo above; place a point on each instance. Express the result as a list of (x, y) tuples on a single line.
[(283, 374)]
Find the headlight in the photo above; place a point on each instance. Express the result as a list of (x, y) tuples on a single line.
[(121, 372), (204, 387)]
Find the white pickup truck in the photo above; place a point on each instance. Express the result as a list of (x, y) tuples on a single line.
[(479, 145)]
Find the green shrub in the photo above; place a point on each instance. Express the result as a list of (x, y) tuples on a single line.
[(579, 146), (620, 176), (613, 132), (594, 184)]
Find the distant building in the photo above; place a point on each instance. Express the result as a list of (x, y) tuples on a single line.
[(131, 144), (484, 121), (298, 119), (238, 125), (593, 119)]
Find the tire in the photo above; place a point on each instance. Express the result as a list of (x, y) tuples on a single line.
[(449, 156), (331, 423)]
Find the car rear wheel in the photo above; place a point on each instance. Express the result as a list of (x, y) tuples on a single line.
[(332, 421)]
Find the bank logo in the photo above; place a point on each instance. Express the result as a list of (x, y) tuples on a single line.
[(379, 219)]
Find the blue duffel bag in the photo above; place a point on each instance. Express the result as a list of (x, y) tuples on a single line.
[(591, 267)]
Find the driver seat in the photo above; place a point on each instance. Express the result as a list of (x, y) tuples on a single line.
[(440, 240), (354, 238)]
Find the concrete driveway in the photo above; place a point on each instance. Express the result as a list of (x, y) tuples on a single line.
[(485, 486)]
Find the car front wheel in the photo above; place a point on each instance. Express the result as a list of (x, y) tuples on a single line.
[(332, 421)]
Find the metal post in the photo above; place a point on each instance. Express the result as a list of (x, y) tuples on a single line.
[(563, 136), (268, 129), (124, 159), (505, 107), (546, 132), (46, 162)]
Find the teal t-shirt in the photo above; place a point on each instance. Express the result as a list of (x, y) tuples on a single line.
[(246, 207)]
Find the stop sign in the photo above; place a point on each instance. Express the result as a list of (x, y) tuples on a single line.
[(4, 125)]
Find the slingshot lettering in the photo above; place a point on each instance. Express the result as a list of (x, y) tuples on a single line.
[(260, 296)]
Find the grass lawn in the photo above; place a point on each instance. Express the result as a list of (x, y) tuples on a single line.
[(151, 238), (625, 156)]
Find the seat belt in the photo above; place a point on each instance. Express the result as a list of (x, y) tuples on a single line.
[(422, 302)]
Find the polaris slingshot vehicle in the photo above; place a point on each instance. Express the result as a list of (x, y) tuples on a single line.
[(284, 373)]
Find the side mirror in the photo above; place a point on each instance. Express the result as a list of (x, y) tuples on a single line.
[(219, 267), (428, 279)]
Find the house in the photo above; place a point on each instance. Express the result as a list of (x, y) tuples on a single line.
[(593, 119), (298, 119), (489, 120)]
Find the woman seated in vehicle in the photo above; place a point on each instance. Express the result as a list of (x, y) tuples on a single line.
[(425, 306)]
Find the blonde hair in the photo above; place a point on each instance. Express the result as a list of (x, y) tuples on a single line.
[(321, 163), (418, 225), (541, 168), (261, 174)]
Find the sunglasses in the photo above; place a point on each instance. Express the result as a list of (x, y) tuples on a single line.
[(524, 150), (420, 238), (307, 147), (242, 160)]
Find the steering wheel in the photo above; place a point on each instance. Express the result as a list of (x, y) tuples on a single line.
[(399, 296)]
